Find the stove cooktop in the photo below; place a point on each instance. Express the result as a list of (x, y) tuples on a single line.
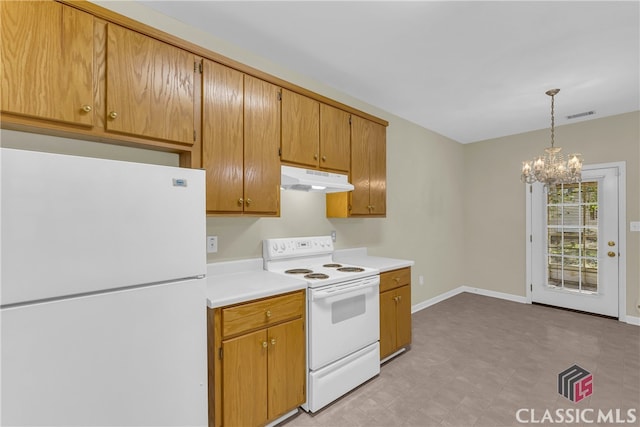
[(321, 273), (311, 259)]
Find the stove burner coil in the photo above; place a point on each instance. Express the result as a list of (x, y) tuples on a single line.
[(332, 265), (351, 269), (316, 276), (299, 271)]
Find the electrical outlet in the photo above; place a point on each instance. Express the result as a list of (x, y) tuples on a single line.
[(212, 244), (333, 235), (421, 280), (634, 226)]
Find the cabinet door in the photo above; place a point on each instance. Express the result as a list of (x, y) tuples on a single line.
[(361, 131), (244, 380), (387, 323), (335, 138), (222, 136), (403, 316), (261, 143), (46, 61), (300, 129), (287, 371), (378, 169), (150, 87)]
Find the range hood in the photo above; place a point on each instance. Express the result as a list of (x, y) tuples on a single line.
[(313, 180)]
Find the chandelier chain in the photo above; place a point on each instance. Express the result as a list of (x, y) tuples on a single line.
[(552, 121)]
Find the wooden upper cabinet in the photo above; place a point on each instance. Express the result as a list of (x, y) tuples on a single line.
[(335, 138), (223, 137), (368, 173), (261, 143), (378, 169), (300, 129), (47, 61), (240, 141), (150, 88)]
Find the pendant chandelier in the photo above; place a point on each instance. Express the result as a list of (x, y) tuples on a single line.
[(552, 169)]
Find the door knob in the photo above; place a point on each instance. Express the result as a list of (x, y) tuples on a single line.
[(611, 254)]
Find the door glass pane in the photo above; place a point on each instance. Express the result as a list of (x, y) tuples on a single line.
[(572, 237)]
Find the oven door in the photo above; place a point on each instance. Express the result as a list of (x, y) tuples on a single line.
[(343, 318)]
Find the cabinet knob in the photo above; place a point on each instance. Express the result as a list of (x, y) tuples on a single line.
[(264, 344), (395, 299), (87, 108), (315, 157), (240, 201), (397, 279), (113, 115), (324, 158), (248, 202), (268, 313), (273, 341)]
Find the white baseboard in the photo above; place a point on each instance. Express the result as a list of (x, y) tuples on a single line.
[(435, 300), (495, 294), (631, 320), (470, 289)]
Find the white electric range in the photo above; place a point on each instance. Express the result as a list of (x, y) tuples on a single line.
[(342, 315)]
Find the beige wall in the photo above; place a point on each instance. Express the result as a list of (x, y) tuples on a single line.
[(495, 199)]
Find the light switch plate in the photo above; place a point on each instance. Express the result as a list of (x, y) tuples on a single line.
[(212, 244), (634, 226)]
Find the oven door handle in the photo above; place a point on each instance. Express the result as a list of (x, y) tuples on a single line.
[(324, 294)]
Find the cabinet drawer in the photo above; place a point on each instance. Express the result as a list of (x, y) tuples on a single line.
[(245, 317), (395, 278)]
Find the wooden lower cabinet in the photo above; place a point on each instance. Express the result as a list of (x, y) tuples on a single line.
[(257, 370), (395, 311)]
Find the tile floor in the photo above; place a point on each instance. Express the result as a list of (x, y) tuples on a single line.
[(476, 360)]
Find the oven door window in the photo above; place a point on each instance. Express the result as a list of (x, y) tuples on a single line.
[(348, 308)]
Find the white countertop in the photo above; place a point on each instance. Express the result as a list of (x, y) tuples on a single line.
[(234, 282), (359, 256)]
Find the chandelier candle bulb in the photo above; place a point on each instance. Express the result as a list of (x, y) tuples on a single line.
[(551, 169)]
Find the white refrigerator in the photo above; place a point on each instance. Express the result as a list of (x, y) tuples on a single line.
[(102, 298)]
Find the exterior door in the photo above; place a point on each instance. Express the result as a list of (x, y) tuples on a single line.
[(575, 243)]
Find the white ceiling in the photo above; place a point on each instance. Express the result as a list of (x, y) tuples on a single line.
[(469, 70)]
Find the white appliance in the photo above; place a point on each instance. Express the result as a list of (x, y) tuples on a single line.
[(103, 304), (293, 178), (342, 313)]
